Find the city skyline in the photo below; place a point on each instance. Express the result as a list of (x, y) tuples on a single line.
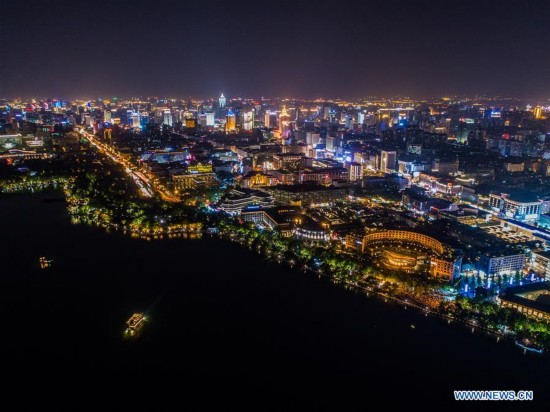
[(284, 49), (322, 197)]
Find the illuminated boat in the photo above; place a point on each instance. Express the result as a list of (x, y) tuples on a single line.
[(45, 262), (135, 325)]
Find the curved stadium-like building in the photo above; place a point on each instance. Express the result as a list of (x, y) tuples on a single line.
[(393, 249)]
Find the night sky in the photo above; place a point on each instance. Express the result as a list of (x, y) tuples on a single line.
[(282, 48)]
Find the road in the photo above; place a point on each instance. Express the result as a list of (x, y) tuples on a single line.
[(143, 181)]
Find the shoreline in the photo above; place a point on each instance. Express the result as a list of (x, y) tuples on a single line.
[(199, 233)]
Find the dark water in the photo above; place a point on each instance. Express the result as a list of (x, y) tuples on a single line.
[(221, 318)]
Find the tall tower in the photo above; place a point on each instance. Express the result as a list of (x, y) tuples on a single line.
[(167, 118), (222, 101), (537, 111), (284, 120), (267, 118), (248, 120), (135, 120), (231, 122), (388, 159)]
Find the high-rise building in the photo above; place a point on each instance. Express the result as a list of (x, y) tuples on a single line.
[(349, 121), (284, 120), (209, 119), (388, 160), (190, 123), (360, 118), (355, 171), (135, 120), (537, 111), (144, 119), (88, 120), (267, 118), (107, 116), (167, 118), (329, 141), (222, 101), (313, 139), (248, 120), (230, 122), (326, 113)]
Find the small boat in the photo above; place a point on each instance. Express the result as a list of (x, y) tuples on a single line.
[(44, 262), (135, 325)]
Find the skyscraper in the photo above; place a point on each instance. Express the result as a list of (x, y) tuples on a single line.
[(230, 122), (267, 118), (209, 119), (167, 118), (355, 171), (135, 120), (284, 120), (537, 111), (387, 161), (248, 120), (222, 101), (360, 118), (144, 119)]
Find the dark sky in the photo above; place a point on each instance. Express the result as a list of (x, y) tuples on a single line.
[(335, 48)]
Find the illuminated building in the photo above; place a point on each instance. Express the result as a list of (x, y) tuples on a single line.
[(355, 171), (305, 194), (360, 118), (230, 122), (135, 120), (193, 180), (200, 168), (426, 252), (191, 123), (399, 260), (312, 139), (537, 111), (540, 263), (107, 116), (267, 119), (88, 120), (326, 113), (248, 120), (284, 121), (438, 183), (9, 141), (522, 206), (349, 121), (257, 179), (532, 300), (388, 160), (222, 101), (323, 175), (237, 200), (499, 263), (144, 119), (287, 161), (209, 119), (275, 218), (167, 118), (306, 228)]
